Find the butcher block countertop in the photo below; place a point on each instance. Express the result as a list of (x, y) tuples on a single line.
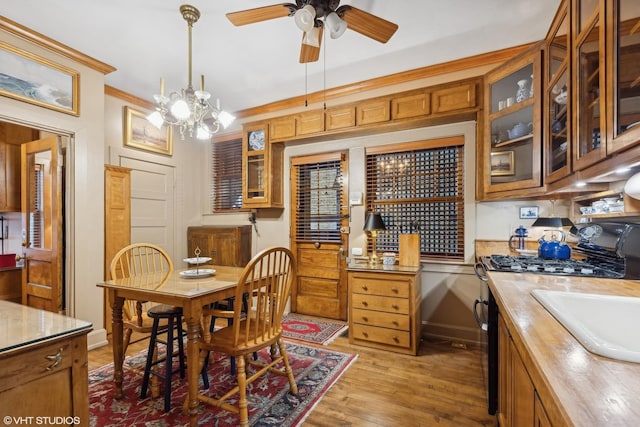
[(576, 386)]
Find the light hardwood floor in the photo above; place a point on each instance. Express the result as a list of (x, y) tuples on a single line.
[(442, 386)]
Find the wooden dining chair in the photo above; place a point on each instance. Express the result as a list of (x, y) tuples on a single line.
[(267, 279), (139, 259)]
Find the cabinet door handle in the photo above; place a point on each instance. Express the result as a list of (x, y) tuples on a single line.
[(55, 358)]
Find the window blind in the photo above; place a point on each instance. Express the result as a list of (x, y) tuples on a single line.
[(419, 190), (226, 167), (319, 195)]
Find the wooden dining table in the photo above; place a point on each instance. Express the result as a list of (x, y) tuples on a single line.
[(176, 289)]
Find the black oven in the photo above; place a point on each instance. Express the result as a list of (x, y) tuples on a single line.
[(485, 311)]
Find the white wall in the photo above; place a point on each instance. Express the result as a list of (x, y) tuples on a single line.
[(84, 168)]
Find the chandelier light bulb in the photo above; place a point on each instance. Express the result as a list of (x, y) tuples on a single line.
[(156, 119), (225, 119), (180, 110), (203, 132)]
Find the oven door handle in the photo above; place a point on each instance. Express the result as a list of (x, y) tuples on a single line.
[(481, 271)]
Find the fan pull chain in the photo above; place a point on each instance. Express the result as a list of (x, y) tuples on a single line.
[(306, 92)]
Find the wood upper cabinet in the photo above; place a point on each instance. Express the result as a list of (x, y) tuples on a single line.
[(588, 83), (623, 74), (410, 104), (262, 163), (373, 111), (340, 117), (282, 128), (557, 106), (310, 123), (455, 97), (511, 153)]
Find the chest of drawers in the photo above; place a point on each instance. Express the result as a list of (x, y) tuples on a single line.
[(384, 307)]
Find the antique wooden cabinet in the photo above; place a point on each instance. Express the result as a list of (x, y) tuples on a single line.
[(11, 136), (384, 307), (226, 245)]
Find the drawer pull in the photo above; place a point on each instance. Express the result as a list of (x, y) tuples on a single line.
[(395, 339), (365, 303), (395, 306), (364, 288), (395, 323), (365, 319), (394, 290), (55, 358), (366, 335)]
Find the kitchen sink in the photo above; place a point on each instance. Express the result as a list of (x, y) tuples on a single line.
[(607, 325)]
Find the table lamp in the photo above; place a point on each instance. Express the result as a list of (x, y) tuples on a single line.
[(373, 224)]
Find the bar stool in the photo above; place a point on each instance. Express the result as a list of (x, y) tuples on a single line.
[(173, 317)]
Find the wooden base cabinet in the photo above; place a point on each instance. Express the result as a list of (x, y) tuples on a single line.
[(385, 307), (518, 401)]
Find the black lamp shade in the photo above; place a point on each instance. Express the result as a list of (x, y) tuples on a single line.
[(552, 222), (373, 222)]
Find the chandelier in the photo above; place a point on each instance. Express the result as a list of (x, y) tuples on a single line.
[(189, 109)]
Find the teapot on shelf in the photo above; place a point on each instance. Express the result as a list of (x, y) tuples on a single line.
[(520, 129)]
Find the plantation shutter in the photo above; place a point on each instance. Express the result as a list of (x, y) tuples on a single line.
[(418, 188)]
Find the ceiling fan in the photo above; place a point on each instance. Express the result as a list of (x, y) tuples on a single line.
[(314, 16)]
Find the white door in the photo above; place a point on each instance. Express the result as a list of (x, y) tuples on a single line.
[(152, 203)]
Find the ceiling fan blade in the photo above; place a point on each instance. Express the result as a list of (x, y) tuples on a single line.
[(260, 14), (310, 53), (368, 25)]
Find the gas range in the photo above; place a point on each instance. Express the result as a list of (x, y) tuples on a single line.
[(558, 267), (609, 249)]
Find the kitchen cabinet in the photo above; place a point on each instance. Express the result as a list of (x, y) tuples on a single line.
[(340, 117), (226, 245), (518, 402), (454, 97), (557, 96), (262, 168), (44, 365), (588, 83), (623, 74), (630, 206), (385, 307), (372, 111), (310, 123), (11, 137), (512, 149), (410, 104)]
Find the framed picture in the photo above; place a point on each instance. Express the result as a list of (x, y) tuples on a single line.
[(141, 134), (30, 78), (502, 163), (528, 212)]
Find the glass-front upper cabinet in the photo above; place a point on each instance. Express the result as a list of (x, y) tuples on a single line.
[(262, 163), (557, 105), (588, 82), (512, 147), (623, 94)]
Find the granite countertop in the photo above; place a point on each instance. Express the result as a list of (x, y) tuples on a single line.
[(581, 388), (21, 325)]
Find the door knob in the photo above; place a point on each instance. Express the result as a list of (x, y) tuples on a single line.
[(317, 245), (19, 257)]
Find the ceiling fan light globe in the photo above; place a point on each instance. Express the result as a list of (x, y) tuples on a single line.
[(312, 37), (305, 18), (336, 25), (180, 109), (203, 132), (156, 119)]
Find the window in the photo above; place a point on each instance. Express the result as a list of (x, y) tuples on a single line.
[(418, 188), (226, 167), (318, 198)]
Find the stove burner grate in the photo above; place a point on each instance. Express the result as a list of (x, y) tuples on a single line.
[(566, 267)]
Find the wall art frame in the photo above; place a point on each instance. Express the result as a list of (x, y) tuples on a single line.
[(502, 163), (30, 78), (529, 212), (139, 133)]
